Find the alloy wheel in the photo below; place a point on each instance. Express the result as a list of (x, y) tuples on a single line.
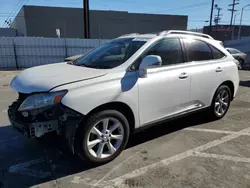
[(105, 138), (221, 102)]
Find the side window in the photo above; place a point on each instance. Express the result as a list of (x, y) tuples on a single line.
[(197, 50), (168, 49), (217, 53)]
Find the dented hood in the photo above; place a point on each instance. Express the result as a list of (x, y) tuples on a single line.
[(44, 78)]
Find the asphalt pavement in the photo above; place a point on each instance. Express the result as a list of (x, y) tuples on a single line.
[(190, 152)]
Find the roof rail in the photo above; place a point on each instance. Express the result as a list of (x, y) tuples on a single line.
[(186, 33), (130, 34)]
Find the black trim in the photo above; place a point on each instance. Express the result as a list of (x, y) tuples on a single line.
[(168, 118), (184, 51)]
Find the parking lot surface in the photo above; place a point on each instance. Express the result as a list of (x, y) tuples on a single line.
[(188, 152)]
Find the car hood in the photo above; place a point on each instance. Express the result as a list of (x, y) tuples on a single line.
[(44, 78)]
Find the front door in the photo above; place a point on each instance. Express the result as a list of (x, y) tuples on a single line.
[(165, 90)]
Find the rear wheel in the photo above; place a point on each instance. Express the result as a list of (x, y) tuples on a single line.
[(220, 103), (103, 137)]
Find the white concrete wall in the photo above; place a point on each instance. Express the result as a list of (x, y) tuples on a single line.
[(27, 52)]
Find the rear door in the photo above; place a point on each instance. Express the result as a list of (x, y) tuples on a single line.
[(207, 70)]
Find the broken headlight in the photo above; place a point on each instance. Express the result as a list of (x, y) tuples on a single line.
[(41, 100)]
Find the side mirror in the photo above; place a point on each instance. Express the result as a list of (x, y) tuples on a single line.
[(148, 61)]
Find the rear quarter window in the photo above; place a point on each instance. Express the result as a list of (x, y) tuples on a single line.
[(217, 53)]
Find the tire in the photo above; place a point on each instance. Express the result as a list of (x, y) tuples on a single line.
[(216, 105), (85, 134), (241, 61)]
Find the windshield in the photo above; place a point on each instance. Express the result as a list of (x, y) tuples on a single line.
[(111, 54), (233, 51)]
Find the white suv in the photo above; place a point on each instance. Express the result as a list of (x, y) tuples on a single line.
[(98, 100)]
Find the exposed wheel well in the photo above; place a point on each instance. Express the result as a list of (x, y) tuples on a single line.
[(120, 107), (231, 87)]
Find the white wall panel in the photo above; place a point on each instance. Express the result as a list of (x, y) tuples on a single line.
[(33, 51)]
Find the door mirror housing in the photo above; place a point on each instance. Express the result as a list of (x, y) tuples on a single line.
[(148, 61)]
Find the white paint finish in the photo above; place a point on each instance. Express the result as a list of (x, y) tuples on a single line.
[(163, 93), (44, 78), (223, 157), (217, 131), (116, 86), (23, 169), (163, 83), (119, 181), (205, 80)]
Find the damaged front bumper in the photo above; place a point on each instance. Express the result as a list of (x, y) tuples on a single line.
[(36, 123)]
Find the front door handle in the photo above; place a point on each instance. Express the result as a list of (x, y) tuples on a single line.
[(183, 75), (218, 69)]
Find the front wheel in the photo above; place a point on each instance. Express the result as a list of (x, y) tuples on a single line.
[(103, 137), (221, 102)]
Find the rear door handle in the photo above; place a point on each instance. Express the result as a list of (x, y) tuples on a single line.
[(183, 75), (218, 69)]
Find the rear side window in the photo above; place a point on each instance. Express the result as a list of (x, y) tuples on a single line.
[(197, 50), (217, 53)]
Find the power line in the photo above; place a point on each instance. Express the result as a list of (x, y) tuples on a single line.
[(8, 20), (204, 3), (11, 13)]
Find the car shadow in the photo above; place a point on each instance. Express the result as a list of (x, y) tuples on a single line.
[(245, 83), (62, 163), (171, 126)]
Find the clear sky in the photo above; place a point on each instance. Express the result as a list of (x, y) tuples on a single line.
[(198, 11)]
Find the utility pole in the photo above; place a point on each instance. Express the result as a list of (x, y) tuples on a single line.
[(217, 18), (232, 10), (234, 26), (86, 18), (211, 18), (239, 34)]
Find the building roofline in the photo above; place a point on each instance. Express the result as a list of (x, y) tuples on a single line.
[(29, 6)]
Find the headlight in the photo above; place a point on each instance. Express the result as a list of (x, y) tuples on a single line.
[(41, 100)]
